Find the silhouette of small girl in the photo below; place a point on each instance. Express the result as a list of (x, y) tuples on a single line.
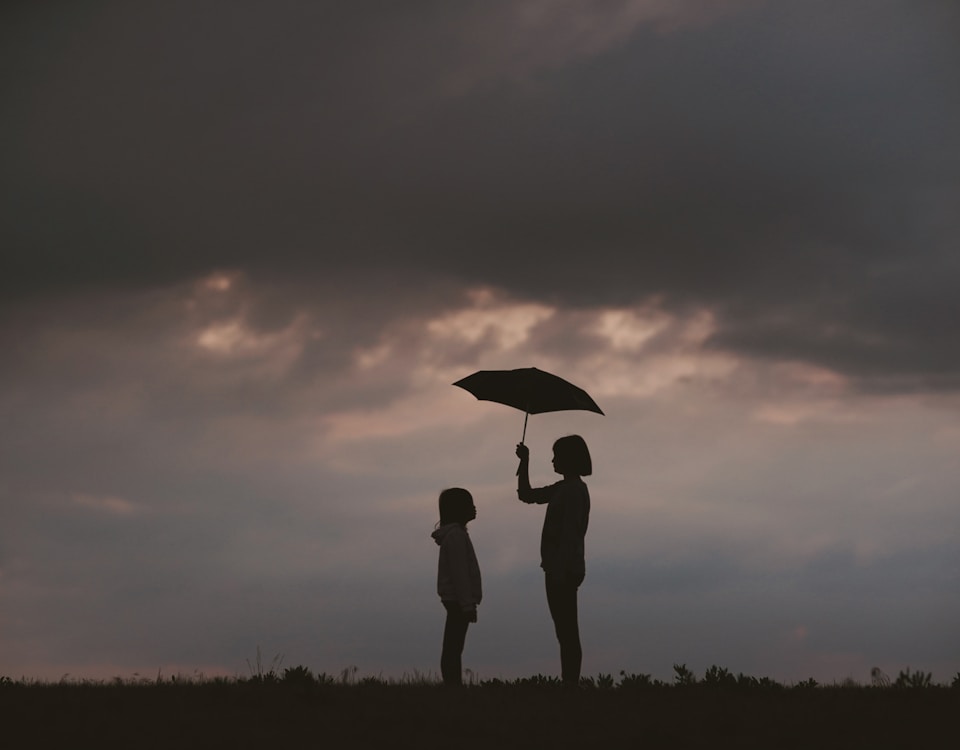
[(458, 578), (562, 541)]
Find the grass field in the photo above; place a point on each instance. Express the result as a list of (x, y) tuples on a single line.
[(298, 709)]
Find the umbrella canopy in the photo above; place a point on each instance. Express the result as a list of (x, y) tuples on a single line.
[(528, 389)]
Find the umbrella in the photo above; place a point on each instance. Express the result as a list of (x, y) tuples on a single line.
[(528, 389)]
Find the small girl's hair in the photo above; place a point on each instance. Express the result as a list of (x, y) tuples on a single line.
[(573, 456), (455, 505)]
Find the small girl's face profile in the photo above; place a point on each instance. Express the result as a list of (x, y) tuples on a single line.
[(466, 512)]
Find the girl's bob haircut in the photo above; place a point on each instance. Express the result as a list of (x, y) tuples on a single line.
[(455, 506), (572, 455)]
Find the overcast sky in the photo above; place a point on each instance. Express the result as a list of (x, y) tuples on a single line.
[(247, 247)]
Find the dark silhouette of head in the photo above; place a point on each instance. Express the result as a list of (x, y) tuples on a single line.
[(571, 456), (456, 506)]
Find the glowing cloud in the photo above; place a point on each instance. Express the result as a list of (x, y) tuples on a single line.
[(108, 504), (628, 330), (500, 325)]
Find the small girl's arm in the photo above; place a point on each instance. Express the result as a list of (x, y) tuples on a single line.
[(460, 571)]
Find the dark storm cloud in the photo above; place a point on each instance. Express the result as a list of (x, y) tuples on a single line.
[(793, 166)]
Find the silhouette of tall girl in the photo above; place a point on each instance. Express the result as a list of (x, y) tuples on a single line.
[(561, 544), (458, 578)]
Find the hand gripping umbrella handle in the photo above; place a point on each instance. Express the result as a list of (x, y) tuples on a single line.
[(526, 416)]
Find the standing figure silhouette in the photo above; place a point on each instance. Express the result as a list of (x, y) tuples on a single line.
[(458, 578), (562, 541)]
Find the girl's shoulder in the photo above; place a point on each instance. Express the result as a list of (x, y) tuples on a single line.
[(573, 488), (448, 533)]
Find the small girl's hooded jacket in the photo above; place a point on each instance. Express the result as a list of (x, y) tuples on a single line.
[(458, 573)]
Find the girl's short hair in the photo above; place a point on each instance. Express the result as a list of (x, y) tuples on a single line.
[(573, 457), (455, 505)]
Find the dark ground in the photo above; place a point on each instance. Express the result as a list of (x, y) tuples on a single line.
[(246, 715)]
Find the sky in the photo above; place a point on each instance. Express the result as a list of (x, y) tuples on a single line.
[(248, 247)]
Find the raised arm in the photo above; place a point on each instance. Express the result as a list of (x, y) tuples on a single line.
[(525, 492), (523, 470)]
